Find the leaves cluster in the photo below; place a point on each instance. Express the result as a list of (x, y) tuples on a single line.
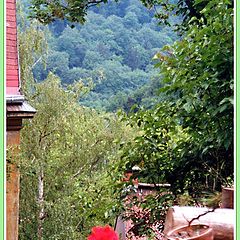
[(73, 11), (199, 71), (187, 140)]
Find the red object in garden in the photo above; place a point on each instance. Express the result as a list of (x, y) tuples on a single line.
[(103, 233)]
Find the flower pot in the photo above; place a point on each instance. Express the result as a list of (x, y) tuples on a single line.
[(227, 197), (192, 232)]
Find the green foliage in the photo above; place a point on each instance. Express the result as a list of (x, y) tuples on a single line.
[(113, 48), (203, 80), (199, 84), (156, 147), (187, 140), (74, 148), (47, 12), (33, 49), (76, 11)]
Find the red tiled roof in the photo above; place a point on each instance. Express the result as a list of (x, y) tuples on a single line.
[(12, 66)]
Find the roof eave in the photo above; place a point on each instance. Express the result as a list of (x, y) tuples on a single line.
[(10, 99), (20, 110)]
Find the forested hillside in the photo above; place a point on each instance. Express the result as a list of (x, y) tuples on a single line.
[(112, 52)]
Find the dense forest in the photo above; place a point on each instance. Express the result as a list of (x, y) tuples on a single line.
[(74, 152), (112, 52)]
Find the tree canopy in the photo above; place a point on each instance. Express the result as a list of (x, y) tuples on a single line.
[(76, 11)]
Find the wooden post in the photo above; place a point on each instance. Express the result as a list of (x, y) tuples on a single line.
[(227, 197), (15, 115), (13, 179)]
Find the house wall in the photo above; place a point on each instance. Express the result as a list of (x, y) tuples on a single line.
[(12, 68)]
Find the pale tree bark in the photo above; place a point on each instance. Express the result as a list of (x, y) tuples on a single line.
[(41, 214)]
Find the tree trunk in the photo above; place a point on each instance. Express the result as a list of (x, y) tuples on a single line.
[(221, 220), (40, 204)]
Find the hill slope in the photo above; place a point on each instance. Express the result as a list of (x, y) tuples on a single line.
[(113, 50)]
